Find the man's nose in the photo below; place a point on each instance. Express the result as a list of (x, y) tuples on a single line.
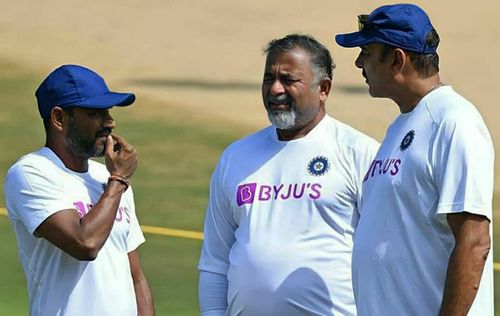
[(359, 61), (277, 88), (109, 122)]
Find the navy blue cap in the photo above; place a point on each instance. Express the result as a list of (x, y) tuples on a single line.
[(73, 85), (406, 26)]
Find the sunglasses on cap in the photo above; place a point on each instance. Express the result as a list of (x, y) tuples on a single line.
[(363, 22)]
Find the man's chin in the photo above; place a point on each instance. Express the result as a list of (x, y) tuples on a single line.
[(285, 121), (98, 151)]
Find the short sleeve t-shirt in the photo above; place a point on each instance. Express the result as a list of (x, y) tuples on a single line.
[(435, 160), (39, 185)]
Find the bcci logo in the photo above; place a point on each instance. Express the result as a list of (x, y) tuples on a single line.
[(407, 140), (318, 166)]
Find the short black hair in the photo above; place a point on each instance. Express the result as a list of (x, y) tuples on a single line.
[(321, 60)]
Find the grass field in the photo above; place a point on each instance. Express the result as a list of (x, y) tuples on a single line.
[(177, 156)]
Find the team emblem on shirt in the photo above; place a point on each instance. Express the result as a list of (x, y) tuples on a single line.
[(318, 166), (407, 140)]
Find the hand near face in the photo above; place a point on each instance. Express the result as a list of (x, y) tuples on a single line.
[(120, 156)]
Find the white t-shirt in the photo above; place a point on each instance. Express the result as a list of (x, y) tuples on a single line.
[(39, 185), (435, 160), (281, 220)]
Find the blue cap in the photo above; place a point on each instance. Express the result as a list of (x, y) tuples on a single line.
[(401, 25), (73, 85)]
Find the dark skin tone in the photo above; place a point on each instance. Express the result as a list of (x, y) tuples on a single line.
[(472, 245), (394, 77), (82, 238)]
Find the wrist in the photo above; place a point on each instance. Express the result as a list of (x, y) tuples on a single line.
[(118, 178)]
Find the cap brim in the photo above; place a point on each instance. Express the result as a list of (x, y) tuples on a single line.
[(108, 100), (354, 39)]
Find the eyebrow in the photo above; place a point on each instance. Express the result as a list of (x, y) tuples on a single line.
[(280, 74)]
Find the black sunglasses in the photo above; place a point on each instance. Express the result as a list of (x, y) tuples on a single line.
[(363, 22)]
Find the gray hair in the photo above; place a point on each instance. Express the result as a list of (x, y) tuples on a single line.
[(321, 61)]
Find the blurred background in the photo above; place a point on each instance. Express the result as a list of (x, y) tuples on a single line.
[(196, 69)]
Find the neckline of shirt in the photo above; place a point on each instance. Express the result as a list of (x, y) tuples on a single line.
[(439, 89), (54, 158)]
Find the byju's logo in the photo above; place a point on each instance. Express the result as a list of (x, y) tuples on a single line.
[(250, 192), (246, 193), (383, 166)]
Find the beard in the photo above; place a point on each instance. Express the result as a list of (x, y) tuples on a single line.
[(281, 119), (81, 145)]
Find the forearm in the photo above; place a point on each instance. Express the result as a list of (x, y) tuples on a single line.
[(96, 225), (144, 298), (462, 279)]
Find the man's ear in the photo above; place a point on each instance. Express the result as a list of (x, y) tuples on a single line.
[(324, 89), (400, 60), (57, 118)]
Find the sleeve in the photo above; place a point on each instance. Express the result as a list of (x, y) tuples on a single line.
[(212, 292), (219, 228), (463, 167), (33, 195), (135, 236)]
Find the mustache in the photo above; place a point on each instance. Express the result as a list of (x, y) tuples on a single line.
[(103, 132), (279, 99)]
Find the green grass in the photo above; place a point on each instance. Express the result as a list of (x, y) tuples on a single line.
[(177, 154), (176, 158), (13, 292)]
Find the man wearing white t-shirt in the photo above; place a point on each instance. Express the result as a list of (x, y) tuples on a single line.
[(423, 239), (74, 218), (283, 202)]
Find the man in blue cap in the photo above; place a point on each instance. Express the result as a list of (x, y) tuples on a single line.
[(422, 243), (74, 218)]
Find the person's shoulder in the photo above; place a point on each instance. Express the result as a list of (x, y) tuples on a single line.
[(32, 167), (352, 138), (250, 142), (36, 160), (447, 106)]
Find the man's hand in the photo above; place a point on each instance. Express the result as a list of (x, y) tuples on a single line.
[(120, 156)]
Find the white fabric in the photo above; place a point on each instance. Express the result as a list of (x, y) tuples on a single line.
[(282, 235), (39, 185), (212, 294), (403, 242)]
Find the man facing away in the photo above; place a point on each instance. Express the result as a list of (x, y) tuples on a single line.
[(423, 240), (74, 218), (283, 202)]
